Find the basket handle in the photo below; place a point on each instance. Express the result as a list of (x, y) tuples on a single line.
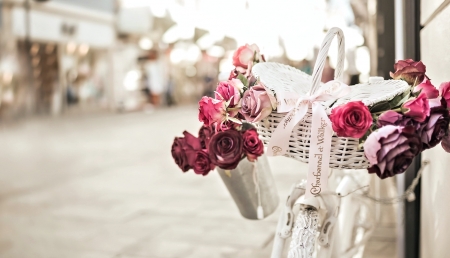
[(323, 53)]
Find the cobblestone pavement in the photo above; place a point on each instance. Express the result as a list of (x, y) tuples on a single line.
[(106, 186)]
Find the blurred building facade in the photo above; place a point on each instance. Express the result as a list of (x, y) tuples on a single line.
[(55, 54)]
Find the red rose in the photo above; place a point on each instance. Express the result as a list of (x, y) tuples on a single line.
[(211, 110), (351, 120), (225, 149), (418, 108), (201, 163), (183, 150), (179, 154), (253, 146), (427, 88), (409, 70), (444, 91)]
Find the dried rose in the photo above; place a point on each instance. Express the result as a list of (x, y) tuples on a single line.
[(225, 149), (417, 108), (409, 70), (211, 110), (444, 91), (201, 163), (352, 119), (427, 88), (256, 104), (391, 149), (253, 146)]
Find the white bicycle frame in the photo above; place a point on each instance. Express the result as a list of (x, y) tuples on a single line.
[(336, 216)]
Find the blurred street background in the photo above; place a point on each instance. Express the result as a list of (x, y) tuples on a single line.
[(92, 94), (105, 186)]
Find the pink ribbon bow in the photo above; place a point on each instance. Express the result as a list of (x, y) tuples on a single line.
[(321, 133)]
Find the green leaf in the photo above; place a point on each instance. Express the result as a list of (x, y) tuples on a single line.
[(400, 99), (380, 106), (243, 79)]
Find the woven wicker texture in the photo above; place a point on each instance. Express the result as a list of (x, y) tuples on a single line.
[(345, 152)]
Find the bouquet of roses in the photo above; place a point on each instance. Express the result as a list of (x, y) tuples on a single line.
[(394, 132), (391, 132), (225, 138)]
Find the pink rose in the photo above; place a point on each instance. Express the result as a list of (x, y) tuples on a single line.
[(253, 146), (444, 91), (211, 110), (351, 120), (427, 88), (418, 108), (244, 55), (230, 90), (409, 70), (255, 104)]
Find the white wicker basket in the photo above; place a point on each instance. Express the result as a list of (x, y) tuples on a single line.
[(345, 152)]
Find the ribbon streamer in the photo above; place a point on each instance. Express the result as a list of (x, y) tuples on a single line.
[(321, 133)]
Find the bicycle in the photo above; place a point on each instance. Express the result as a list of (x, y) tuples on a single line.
[(312, 220)]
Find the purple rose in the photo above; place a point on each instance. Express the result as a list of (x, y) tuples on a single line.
[(391, 149), (391, 117), (435, 127), (256, 104), (226, 149)]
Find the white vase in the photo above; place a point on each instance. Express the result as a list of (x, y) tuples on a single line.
[(242, 185)]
